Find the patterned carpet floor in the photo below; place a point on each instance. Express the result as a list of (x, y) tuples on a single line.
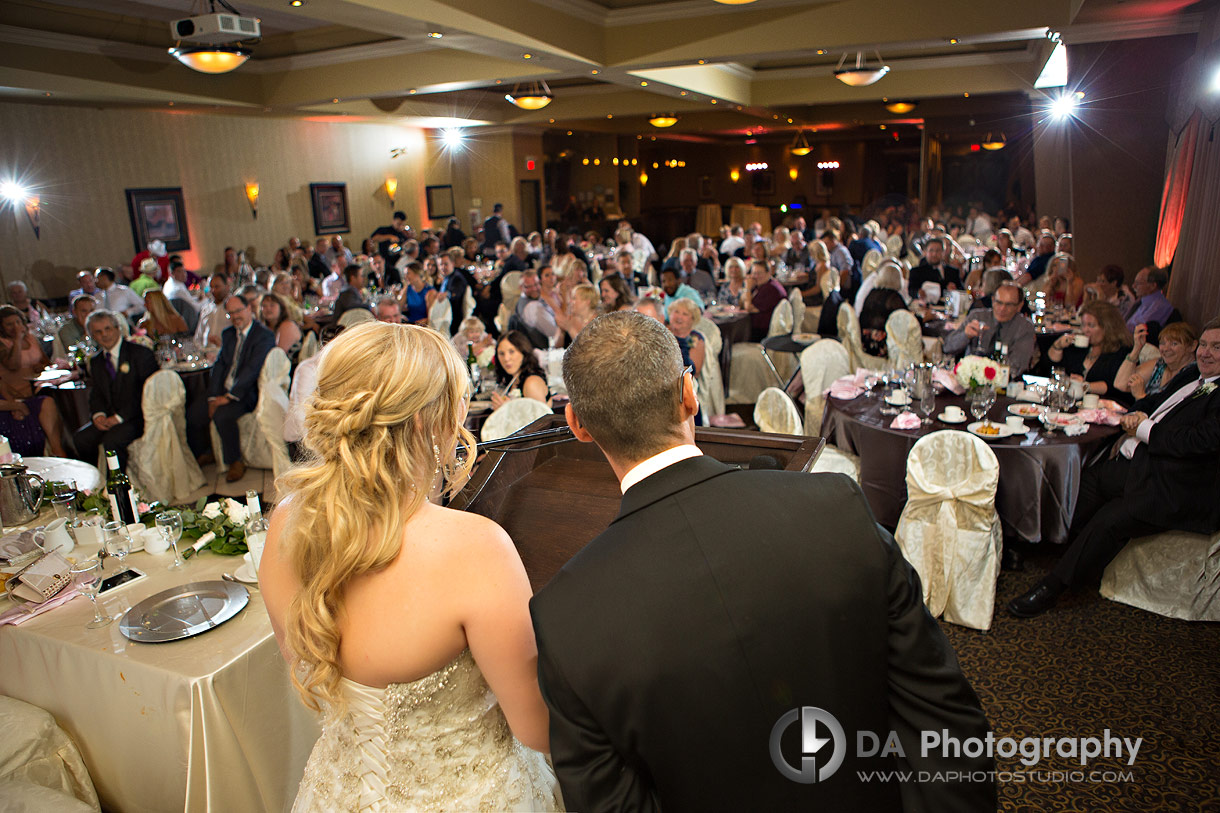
[(1092, 664)]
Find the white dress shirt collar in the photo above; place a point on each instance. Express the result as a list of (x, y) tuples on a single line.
[(662, 460)]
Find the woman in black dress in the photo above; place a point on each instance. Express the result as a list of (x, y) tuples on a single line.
[(1098, 363)]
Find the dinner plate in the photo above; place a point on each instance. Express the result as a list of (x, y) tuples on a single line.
[(1003, 430), (804, 338), (183, 611), (945, 419), (1024, 410)]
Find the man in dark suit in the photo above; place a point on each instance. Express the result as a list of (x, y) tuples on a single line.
[(117, 375), (1164, 474), (933, 268), (233, 390), (677, 649)]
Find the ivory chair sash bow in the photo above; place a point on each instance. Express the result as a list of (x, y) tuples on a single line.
[(440, 317), (711, 378), (849, 335), (949, 530), (159, 462)]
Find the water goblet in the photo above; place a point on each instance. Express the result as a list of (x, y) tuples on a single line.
[(116, 542), (63, 497), (88, 577), (981, 401), (169, 523)]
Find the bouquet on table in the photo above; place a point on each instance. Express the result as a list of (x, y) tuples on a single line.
[(224, 520), (974, 372)]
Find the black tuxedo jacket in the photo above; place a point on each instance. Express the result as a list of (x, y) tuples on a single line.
[(717, 601), (1174, 479), (925, 273), (123, 394), (258, 344)]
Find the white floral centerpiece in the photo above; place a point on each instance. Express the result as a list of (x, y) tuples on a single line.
[(974, 372)]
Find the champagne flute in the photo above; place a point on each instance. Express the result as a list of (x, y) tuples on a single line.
[(169, 523), (88, 578), (117, 542), (927, 396)]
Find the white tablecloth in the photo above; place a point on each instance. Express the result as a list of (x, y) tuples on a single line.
[(207, 723)]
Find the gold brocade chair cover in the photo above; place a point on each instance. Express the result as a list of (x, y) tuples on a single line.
[(511, 416), (262, 431), (868, 266), (1175, 574), (903, 339), (849, 335), (893, 246), (467, 303), (440, 316), (822, 363), (502, 316), (949, 530), (775, 412), (309, 346), (40, 766), (798, 313), (711, 378), (751, 375), (159, 462)]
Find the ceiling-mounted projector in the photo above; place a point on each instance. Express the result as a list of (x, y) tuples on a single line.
[(215, 29)]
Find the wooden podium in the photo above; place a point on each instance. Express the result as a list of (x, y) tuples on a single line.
[(553, 499)]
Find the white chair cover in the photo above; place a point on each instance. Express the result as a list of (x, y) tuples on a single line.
[(834, 459), (872, 259), (159, 462), (510, 288), (440, 317), (798, 310), (829, 283), (40, 766), (893, 245), (1175, 574), (511, 416), (467, 303), (949, 530), (711, 379), (262, 431), (849, 335), (751, 375), (775, 412), (502, 316), (309, 346), (903, 338), (821, 363)]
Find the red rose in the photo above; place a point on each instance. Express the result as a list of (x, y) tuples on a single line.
[(989, 373)]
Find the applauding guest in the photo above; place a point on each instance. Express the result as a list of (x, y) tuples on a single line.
[(19, 351), (233, 390), (116, 375)]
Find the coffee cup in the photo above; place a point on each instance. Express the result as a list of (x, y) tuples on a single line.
[(1078, 389), (1016, 423), (55, 536), (154, 541), (899, 396), (955, 413), (1080, 340), (1015, 389), (1091, 400)]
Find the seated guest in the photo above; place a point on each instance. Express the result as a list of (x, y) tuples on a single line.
[(30, 422), (1097, 365), (288, 289), (117, 298), (19, 298), (533, 315), (472, 334), (1065, 287), (763, 293), (933, 268), (1177, 343), (160, 319), (74, 331), (734, 243), (1037, 266), (518, 373), (815, 277), (146, 277), (212, 317), (675, 288), (19, 351), (1004, 323), (316, 264), (116, 377), (841, 261), (683, 315), (993, 278), (273, 313), (387, 310), (351, 295), (673, 258), (1164, 476), (251, 292), (233, 390), (696, 277), (863, 244), (884, 299), (615, 294), (453, 285), (88, 285), (625, 268), (518, 256), (992, 259), (179, 295), (734, 288), (333, 282), (583, 308), (1151, 304), (1109, 287)]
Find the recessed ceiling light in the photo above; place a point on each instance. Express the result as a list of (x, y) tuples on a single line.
[(171, 104), (412, 91), (569, 132), (527, 56), (713, 101), (498, 81), (435, 35), (789, 120), (965, 95), (334, 101), (643, 84), (595, 71), (550, 121), (703, 62), (297, 3), (953, 40), (48, 93), (609, 115), (682, 93), (821, 51), (882, 126)]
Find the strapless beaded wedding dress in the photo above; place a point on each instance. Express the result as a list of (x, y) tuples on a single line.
[(437, 743)]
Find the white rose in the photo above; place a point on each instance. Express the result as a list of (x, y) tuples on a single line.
[(235, 511), (484, 358), (211, 510)]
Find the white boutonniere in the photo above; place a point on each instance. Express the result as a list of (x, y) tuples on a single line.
[(1205, 388), (124, 368)]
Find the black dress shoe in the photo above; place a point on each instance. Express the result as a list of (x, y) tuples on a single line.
[(1037, 601), (1012, 560)]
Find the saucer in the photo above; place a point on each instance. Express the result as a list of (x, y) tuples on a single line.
[(943, 418), (245, 574)]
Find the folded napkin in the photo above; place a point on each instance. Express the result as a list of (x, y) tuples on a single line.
[(1099, 416), (905, 420), (948, 380), (1113, 406), (843, 391), (861, 377), (1074, 429), (18, 546), (24, 612)]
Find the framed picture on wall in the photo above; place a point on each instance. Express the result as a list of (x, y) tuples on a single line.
[(158, 214), (330, 214), (705, 187), (763, 182), (440, 201)]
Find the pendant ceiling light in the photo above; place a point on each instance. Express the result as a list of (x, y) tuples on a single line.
[(862, 74), (994, 141), (664, 120), (534, 95), (900, 107), (211, 58), (800, 145), (734, 2)]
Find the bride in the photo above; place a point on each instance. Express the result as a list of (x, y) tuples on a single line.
[(406, 624)]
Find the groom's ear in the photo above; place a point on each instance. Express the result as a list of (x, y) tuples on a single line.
[(578, 429)]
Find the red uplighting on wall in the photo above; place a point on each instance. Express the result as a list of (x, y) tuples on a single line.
[(975, 148)]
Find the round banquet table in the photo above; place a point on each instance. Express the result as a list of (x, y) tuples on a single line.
[(65, 469), (1039, 471), (734, 327)]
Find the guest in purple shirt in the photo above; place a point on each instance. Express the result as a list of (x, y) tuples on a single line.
[(1152, 306), (763, 293)]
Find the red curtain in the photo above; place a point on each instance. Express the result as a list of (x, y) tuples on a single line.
[(1173, 199)]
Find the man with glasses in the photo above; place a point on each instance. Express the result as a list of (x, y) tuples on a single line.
[(233, 390), (1004, 323)]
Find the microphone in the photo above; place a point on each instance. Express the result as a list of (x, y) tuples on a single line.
[(761, 462)]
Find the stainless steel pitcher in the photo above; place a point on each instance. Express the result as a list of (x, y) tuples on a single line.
[(20, 494)]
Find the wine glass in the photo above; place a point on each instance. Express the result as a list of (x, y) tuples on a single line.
[(980, 402), (169, 523), (88, 578), (116, 542), (63, 497)]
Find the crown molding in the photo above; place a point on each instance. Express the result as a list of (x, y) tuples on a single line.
[(1133, 30)]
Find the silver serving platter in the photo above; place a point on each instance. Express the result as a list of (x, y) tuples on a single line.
[(183, 611)]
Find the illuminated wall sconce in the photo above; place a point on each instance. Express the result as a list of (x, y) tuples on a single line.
[(391, 189), (584, 162), (792, 173), (828, 164), (33, 210), (734, 175), (252, 196), (615, 161), (597, 162), (643, 178)]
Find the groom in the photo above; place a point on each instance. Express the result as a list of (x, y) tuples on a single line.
[(726, 643)]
